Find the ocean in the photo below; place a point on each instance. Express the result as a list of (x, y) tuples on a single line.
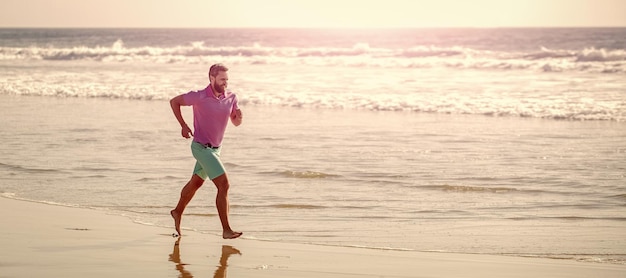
[(483, 141)]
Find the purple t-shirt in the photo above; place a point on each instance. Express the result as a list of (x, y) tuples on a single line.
[(210, 114)]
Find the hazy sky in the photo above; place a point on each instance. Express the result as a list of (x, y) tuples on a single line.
[(312, 13)]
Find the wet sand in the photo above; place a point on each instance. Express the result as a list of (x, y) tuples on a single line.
[(41, 240)]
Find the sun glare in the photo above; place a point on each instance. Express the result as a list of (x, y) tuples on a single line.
[(391, 13), (313, 13), (422, 13)]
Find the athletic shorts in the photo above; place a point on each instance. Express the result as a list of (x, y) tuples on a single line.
[(208, 162)]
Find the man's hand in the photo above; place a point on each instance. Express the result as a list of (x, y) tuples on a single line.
[(236, 117), (186, 132)]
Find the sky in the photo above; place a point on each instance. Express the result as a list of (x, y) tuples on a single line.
[(312, 13)]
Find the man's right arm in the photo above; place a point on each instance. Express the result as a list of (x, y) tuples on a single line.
[(176, 103)]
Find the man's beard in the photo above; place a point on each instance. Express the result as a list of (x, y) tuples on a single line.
[(219, 89)]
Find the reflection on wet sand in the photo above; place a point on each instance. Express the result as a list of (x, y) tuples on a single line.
[(175, 257), (221, 270), (227, 250)]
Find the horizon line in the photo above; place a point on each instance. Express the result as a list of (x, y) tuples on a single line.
[(308, 27)]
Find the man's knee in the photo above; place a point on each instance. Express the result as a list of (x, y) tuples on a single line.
[(196, 181), (221, 182)]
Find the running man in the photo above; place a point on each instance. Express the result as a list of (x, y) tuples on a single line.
[(212, 106)]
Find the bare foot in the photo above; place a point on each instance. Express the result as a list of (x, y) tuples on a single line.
[(176, 217), (231, 235)]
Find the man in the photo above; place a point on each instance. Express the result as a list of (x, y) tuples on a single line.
[(212, 107)]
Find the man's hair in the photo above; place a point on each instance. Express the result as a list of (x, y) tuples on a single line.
[(215, 69)]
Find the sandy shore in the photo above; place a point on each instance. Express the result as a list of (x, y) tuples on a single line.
[(41, 240)]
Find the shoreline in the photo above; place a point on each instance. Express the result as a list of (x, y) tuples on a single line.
[(37, 177), (54, 240)]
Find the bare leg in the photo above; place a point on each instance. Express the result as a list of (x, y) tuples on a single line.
[(186, 194), (221, 202)]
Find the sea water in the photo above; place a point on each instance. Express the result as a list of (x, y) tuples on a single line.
[(497, 141)]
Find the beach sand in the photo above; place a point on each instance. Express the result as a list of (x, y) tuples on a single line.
[(41, 240)]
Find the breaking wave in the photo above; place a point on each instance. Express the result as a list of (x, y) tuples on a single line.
[(360, 55)]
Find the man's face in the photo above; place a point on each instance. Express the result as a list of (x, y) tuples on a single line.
[(220, 82)]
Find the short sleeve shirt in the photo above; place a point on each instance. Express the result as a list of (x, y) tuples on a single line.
[(210, 114)]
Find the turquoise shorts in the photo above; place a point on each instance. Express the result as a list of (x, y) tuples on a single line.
[(208, 163)]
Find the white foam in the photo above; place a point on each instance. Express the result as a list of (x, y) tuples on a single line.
[(359, 55)]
